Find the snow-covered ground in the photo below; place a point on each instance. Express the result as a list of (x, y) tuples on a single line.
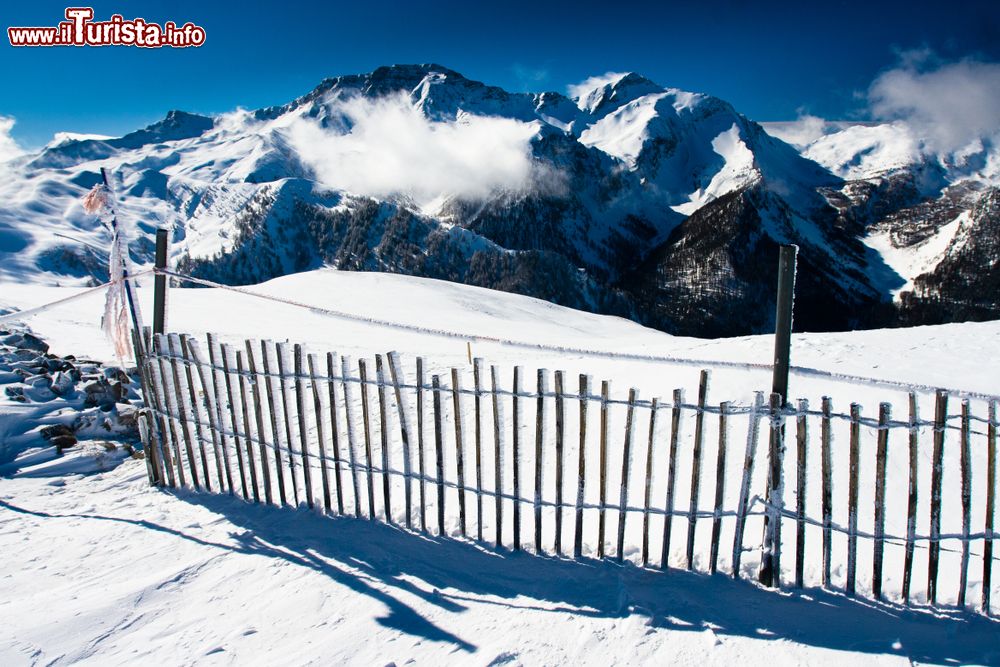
[(100, 568)]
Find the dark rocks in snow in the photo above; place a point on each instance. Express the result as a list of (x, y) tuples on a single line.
[(55, 431), (25, 341), (62, 442)]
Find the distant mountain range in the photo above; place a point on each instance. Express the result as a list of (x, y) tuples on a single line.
[(651, 203)]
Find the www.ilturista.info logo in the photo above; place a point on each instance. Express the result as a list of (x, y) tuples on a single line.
[(79, 29)]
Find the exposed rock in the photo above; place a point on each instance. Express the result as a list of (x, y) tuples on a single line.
[(62, 383), (63, 441), (25, 341), (55, 431)]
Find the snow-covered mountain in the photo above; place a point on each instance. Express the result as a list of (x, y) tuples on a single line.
[(628, 198)]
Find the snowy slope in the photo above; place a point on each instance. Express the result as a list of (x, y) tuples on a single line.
[(198, 578)]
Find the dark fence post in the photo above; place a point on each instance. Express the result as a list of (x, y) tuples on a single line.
[(160, 283), (783, 320)]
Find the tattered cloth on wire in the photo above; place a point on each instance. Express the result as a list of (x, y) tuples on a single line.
[(114, 322)]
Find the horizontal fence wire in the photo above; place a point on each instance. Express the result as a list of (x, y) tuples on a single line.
[(232, 421)]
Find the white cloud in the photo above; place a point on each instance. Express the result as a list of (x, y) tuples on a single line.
[(578, 91), (387, 147), (800, 132), (951, 107), (8, 147)]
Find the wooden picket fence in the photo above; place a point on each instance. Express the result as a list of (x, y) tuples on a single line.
[(573, 473)]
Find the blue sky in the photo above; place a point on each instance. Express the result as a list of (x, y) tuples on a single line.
[(771, 60)]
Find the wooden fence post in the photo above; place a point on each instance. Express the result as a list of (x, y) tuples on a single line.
[(699, 437), (439, 450), (498, 458), (211, 408), (515, 450), (937, 463), (300, 407), (991, 473), (384, 438), (720, 486), (802, 444), (195, 408), (668, 518), (320, 447), (647, 498), (881, 456), (160, 284), (182, 415), (366, 423), (258, 412), (581, 473), (219, 415), (911, 501), (247, 433), (352, 457), (539, 452), (478, 399), (420, 444), (603, 480), (852, 500), (281, 352), (335, 431), (826, 492), (753, 431), (783, 320), (770, 565), (966, 463), (626, 469), (456, 390), (275, 433), (396, 372), (559, 462)]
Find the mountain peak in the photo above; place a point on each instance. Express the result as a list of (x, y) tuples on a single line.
[(600, 95)]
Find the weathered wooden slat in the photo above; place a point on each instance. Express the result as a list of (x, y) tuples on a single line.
[(937, 467), (219, 414), (539, 452), (720, 486), (345, 385), (581, 477), (384, 440), (324, 471), (852, 500), (911, 500), (965, 460), (195, 404), (211, 408), (259, 414), (180, 400), (164, 375), (366, 422), (801, 452), (478, 395), (603, 471), (753, 435), (826, 487), (770, 562), (516, 453), (273, 414), (881, 457), (227, 374), (626, 470), (281, 352), (338, 461), (559, 462), (456, 392), (147, 430), (420, 444), (161, 444), (396, 373), (647, 496), (300, 409), (991, 474), (668, 518), (699, 440), (247, 433), (438, 450), (498, 456), (163, 413)]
